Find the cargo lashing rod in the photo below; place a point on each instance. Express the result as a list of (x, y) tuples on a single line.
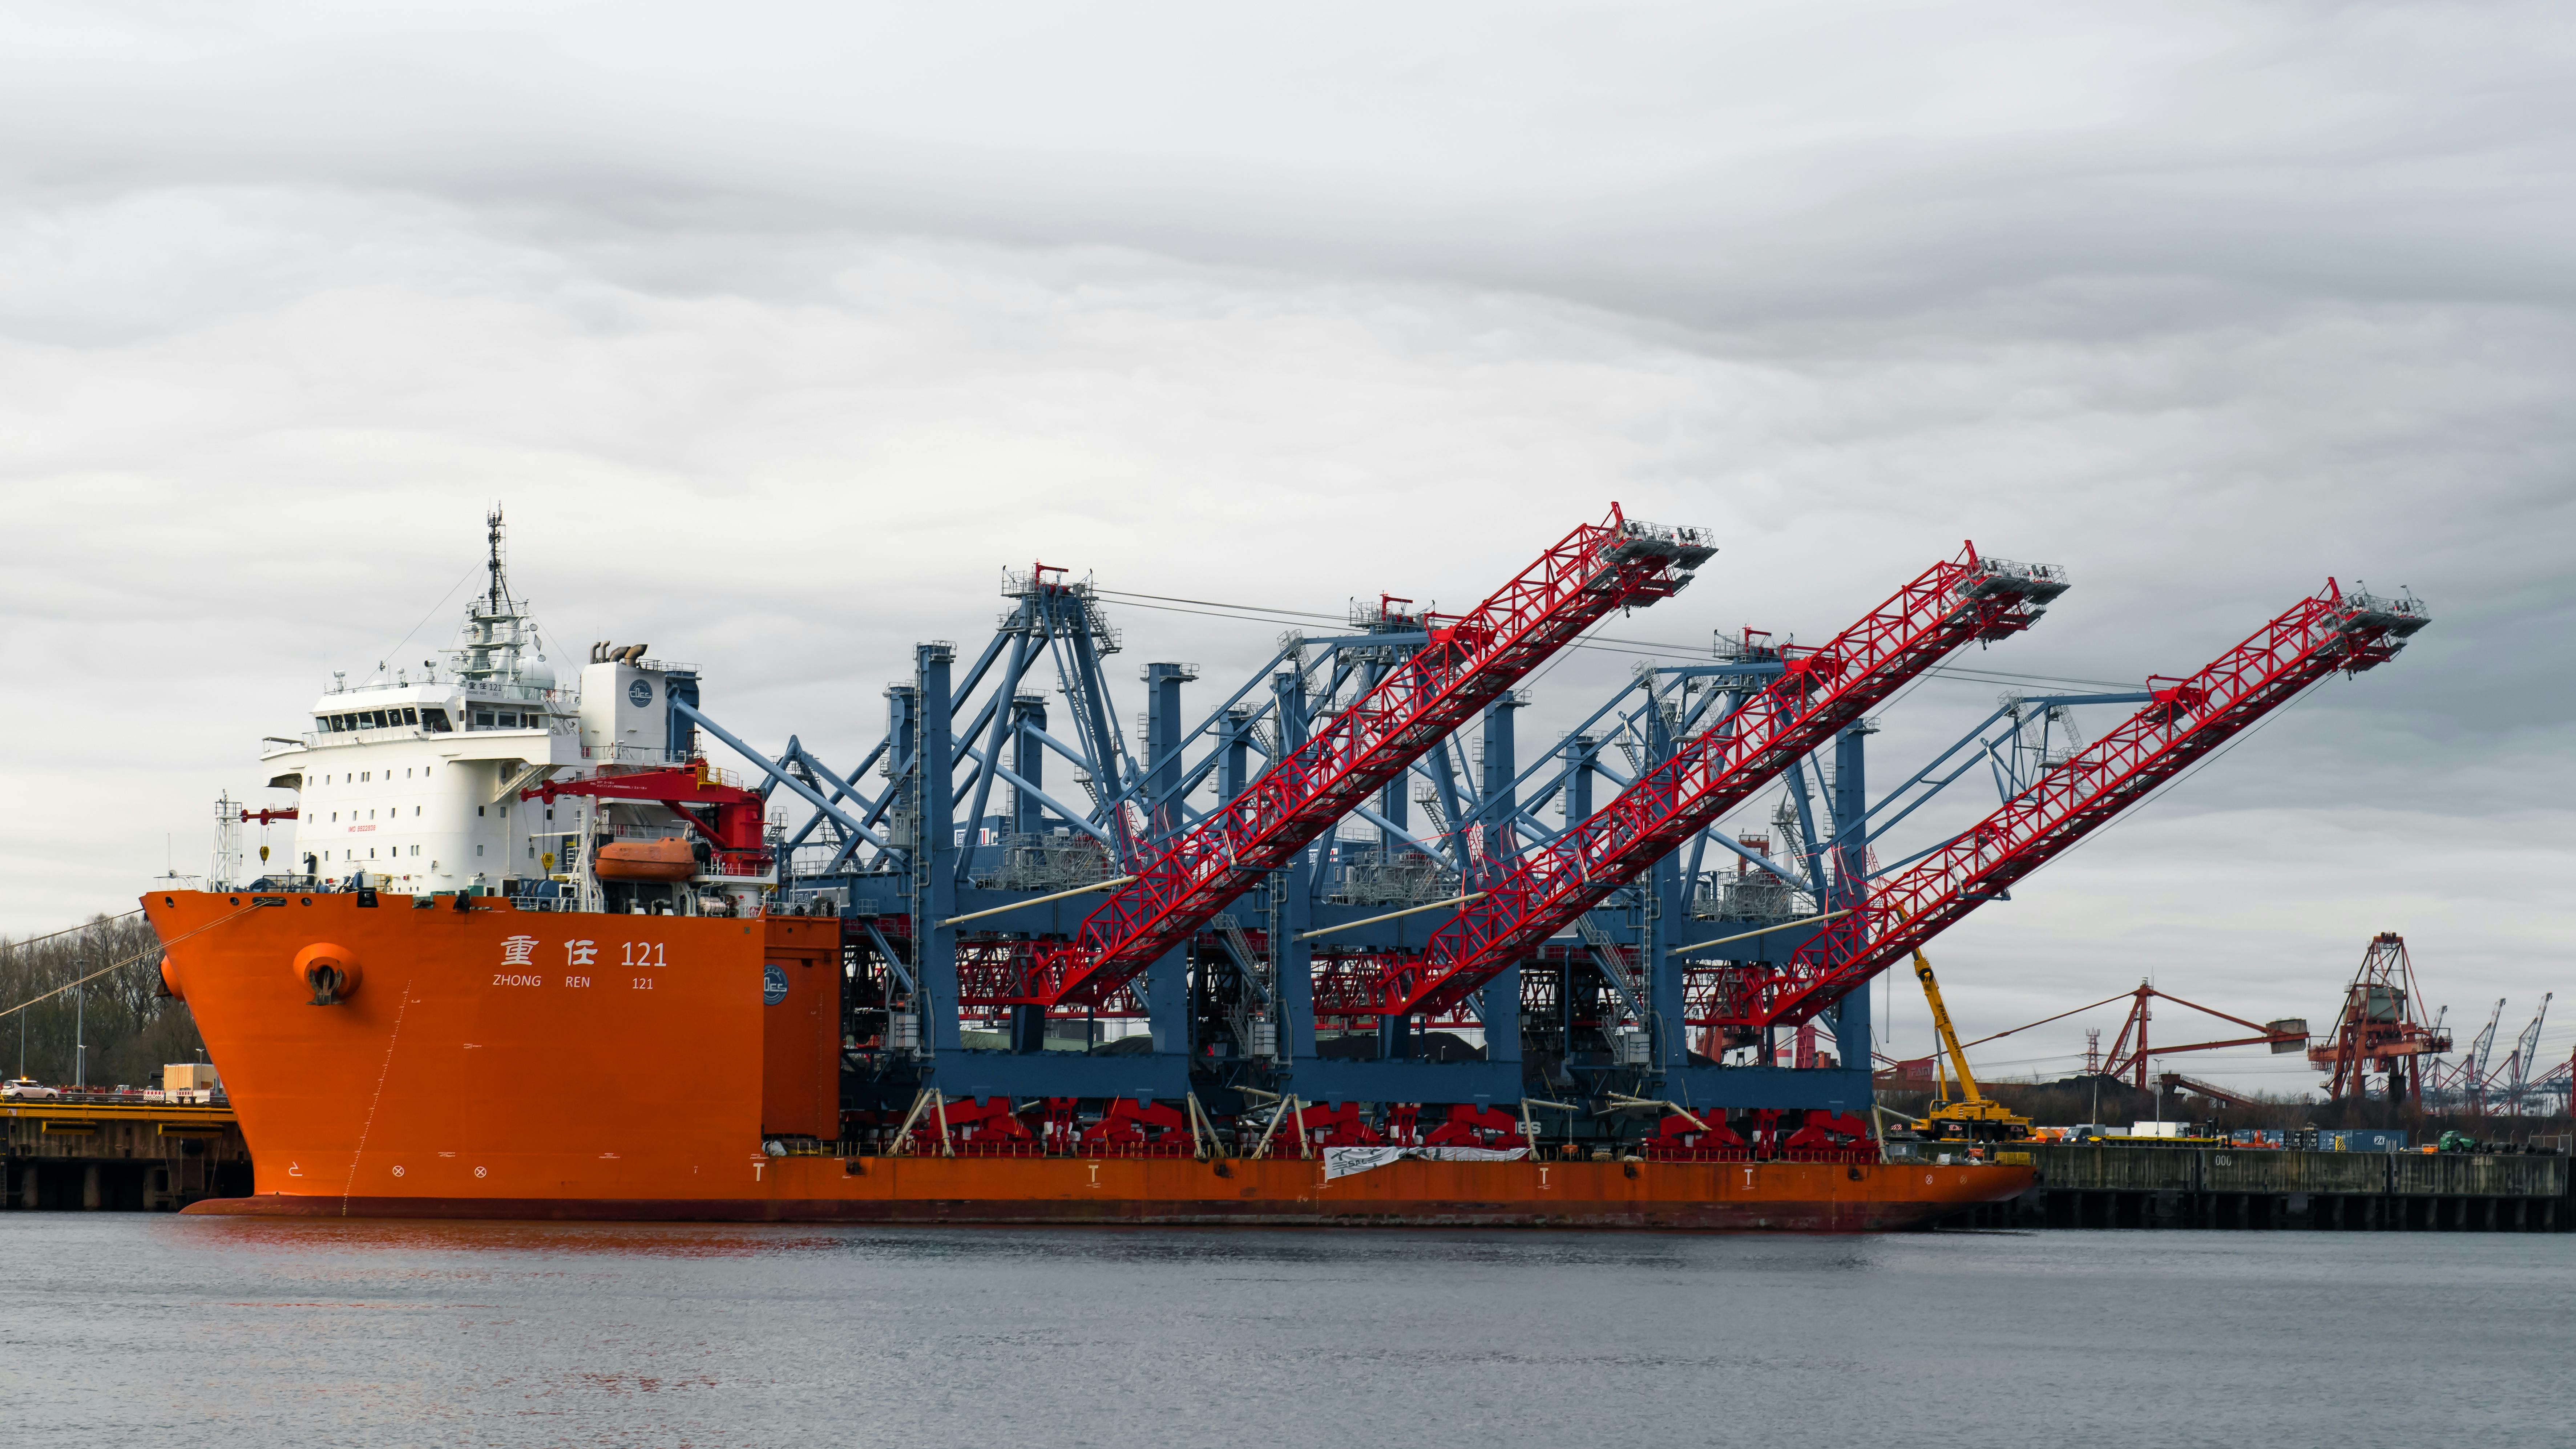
[(1111, 884)]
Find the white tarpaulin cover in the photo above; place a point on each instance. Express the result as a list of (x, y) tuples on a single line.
[(1343, 1161)]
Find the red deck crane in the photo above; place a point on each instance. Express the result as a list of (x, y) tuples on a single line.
[(1466, 664), (2186, 720), (733, 836), (1817, 693)]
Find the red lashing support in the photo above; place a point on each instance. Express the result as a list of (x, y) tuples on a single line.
[(969, 1121), (1765, 1122), (1059, 1120), (1824, 1129), (1339, 1126), (1127, 1120), (1677, 1131), (1472, 1126)]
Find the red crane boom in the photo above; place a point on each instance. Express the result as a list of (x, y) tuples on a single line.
[(2184, 722), (1817, 693), (1467, 663)]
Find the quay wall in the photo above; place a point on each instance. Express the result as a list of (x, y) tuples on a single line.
[(117, 1157), (2118, 1185)]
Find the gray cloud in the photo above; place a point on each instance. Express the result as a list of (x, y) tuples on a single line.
[(781, 340)]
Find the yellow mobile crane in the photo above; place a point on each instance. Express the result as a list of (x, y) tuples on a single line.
[(1973, 1118)]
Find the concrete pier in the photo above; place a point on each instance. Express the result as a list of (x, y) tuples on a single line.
[(2094, 1185), (123, 1157)]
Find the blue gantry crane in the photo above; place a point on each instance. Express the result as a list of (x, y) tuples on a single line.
[(1346, 885)]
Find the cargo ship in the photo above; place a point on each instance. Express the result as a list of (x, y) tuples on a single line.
[(542, 960), (479, 1060)]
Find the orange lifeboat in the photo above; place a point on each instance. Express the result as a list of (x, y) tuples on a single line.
[(662, 860)]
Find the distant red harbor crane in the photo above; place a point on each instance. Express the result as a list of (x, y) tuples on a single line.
[(2379, 1032), (2129, 1050)]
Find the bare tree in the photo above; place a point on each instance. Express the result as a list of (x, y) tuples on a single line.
[(132, 1030)]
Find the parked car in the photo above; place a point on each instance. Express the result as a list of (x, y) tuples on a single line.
[(27, 1089)]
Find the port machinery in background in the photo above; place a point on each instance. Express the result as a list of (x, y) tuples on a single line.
[(1339, 908)]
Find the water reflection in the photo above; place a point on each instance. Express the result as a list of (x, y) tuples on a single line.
[(1286, 1248), (224, 1332), (379, 1235)]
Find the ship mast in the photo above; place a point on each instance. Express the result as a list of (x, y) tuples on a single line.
[(499, 596), (497, 628)]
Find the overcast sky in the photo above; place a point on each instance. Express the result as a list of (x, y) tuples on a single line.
[(780, 330)]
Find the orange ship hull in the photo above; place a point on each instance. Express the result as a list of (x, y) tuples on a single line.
[(491, 1063)]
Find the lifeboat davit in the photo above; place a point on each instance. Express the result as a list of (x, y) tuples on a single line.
[(662, 860)]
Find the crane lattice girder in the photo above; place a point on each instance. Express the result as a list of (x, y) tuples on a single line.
[(1816, 694), (2184, 722), (1465, 665)]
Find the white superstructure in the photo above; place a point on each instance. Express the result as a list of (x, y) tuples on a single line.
[(413, 779), (414, 783)]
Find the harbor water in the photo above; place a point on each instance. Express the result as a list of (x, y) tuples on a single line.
[(214, 1332)]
